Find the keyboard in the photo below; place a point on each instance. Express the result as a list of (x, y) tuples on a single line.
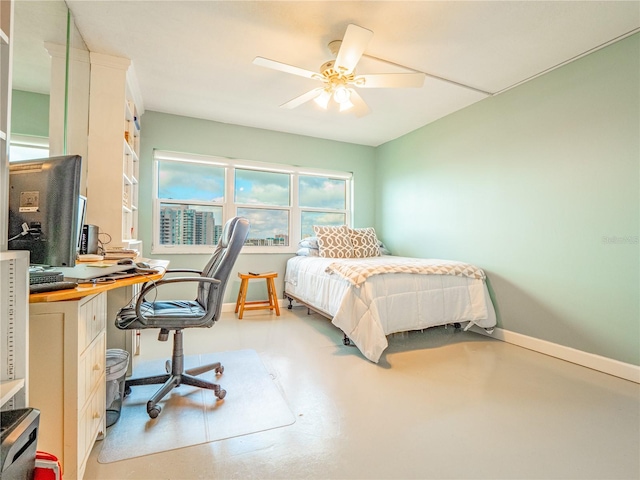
[(51, 286), (45, 276)]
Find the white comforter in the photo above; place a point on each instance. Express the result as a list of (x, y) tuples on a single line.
[(387, 303)]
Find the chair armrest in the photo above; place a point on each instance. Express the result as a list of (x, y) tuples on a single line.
[(183, 270), (149, 286)]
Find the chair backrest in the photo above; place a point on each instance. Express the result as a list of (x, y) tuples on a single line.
[(220, 265)]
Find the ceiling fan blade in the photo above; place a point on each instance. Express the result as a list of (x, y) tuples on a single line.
[(360, 108), (283, 67), (353, 44), (305, 97), (390, 80)]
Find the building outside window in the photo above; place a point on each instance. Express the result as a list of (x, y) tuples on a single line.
[(195, 195)]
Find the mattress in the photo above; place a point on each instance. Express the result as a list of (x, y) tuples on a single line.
[(387, 303)]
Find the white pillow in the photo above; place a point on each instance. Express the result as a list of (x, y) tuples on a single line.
[(334, 242), (308, 252), (309, 242)]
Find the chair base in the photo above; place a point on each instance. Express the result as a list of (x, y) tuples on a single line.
[(177, 376)]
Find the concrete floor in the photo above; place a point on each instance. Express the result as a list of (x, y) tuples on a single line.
[(441, 404)]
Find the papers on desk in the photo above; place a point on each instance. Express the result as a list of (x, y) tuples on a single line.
[(87, 271)]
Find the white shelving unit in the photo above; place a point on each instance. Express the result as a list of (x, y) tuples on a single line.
[(14, 265), (114, 148), (14, 328), (131, 169)]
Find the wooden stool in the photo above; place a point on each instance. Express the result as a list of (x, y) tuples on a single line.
[(270, 304)]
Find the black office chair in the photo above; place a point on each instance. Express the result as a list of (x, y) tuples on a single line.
[(180, 314)]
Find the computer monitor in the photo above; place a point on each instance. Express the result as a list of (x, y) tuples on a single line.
[(82, 213), (44, 209)]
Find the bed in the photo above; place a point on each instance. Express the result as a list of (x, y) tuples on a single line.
[(370, 298)]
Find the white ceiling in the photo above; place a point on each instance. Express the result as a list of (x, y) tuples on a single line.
[(194, 58)]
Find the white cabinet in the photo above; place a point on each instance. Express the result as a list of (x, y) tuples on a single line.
[(113, 152), (67, 377)]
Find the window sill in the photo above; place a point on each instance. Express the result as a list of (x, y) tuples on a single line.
[(208, 250)]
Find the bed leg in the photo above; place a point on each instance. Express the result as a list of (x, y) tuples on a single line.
[(346, 340), (290, 306)]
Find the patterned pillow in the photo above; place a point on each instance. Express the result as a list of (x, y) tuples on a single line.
[(365, 242), (334, 242)]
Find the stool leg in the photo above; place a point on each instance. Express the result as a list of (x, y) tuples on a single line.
[(239, 295), (243, 298), (273, 301)]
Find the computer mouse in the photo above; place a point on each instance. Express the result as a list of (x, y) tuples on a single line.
[(143, 265), (125, 261)]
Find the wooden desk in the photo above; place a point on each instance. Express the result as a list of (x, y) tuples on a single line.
[(85, 290), (68, 337)]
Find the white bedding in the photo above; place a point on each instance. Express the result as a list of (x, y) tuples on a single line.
[(388, 303)]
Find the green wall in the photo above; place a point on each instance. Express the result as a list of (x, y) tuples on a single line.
[(29, 113), (540, 187), (183, 134)]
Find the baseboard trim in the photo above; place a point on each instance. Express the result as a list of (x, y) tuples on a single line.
[(616, 368), (606, 365)]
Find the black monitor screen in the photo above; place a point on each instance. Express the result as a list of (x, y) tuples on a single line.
[(44, 209)]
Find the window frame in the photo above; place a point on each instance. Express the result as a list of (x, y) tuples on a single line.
[(229, 207)]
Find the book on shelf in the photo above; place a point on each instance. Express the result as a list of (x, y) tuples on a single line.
[(119, 253)]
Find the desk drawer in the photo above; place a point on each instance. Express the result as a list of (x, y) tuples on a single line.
[(92, 319), (90, 423), (91, 367)]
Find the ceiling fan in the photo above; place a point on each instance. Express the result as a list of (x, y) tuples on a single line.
[(339, 76)]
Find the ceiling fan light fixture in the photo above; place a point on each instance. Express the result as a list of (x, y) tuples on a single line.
[(344, 106), (322, 100), (341, 94)]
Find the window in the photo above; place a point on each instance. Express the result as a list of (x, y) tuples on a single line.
[(322, 201), (264, 198), (27, 147), (195, 195)]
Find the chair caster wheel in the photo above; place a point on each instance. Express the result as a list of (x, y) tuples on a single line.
[(221, 394), (219, 370), (154, 411), (346, 341), (127, 391)]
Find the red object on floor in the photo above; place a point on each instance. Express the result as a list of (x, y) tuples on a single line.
[(47, 467)]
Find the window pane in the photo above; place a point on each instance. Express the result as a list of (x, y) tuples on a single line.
[(22, 152), (322, 192), (190, 224), (190, 181), (262, 188), (268, 226), (309, 219)]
